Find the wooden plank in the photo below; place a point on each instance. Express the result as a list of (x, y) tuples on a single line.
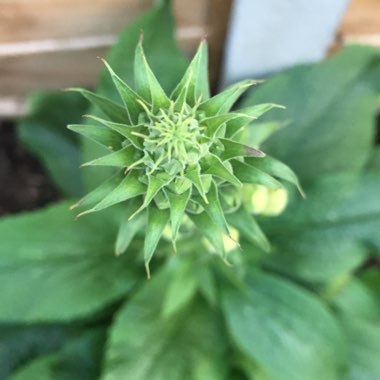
[(54, 44), (361, 23)]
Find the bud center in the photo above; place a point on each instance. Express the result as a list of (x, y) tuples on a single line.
[(174, 141)]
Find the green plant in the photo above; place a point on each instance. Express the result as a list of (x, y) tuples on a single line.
[(307, 309)]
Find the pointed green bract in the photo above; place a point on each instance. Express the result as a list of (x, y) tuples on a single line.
[(183, 156), (195, 81), (146, 83), (111, 109), (178, 203), (122, 158), (210, 230), (218, 169), (128, 229), (248, 227), (99, 134), (127, 95), (234, 149), (276, 168), (214, 209), (129, 187), (223, 102), (130, 133), (157, 220), (249, 174)]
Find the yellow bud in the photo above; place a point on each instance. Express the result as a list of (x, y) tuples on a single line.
[(276, 203)]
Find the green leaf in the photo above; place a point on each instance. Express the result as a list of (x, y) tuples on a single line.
[(145, 345), (217, 168), (129, 187), (248, 227), (223, 102), (258, 133), (247, 115), (363, 350), (79, 359), (157, 220), (178, 204), (330, 232), (195, 82), (121, 158), (52, 268), (275, 168), (233, 149), (43, 132), (284, 328), (99, 134), (128, 229), (181, 290), (332, 105), (146, 82), (22, 343), (250, 174), (111, 109), (356, 300)]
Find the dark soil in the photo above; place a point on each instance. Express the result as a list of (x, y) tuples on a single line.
[(24, 184)]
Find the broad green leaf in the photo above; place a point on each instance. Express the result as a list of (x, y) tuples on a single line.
[(233, 149), (181, 289), (145, 345), (247, 115), (250, 174), (248, 227), (275, 168), (22, 343), (99, 134), (178, 204), (129, 187), (363, 350), (284, 328), (165, 58), (79, 359), (223, 102), (195, 82), (53, 268), (257, 133), (357, 300), (332, 106), (157, 220), (121, 158), (43, 132), (217, 168), (146, 82), (329, 232), (109, 108)]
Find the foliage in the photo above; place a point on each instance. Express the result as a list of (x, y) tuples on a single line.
[(302, 298)]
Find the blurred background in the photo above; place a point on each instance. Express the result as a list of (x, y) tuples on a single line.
[(53, 44)]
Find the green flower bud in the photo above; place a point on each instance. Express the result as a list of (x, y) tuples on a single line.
[(177, 155)]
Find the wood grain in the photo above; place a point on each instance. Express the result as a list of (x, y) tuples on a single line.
[(54, 44)]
